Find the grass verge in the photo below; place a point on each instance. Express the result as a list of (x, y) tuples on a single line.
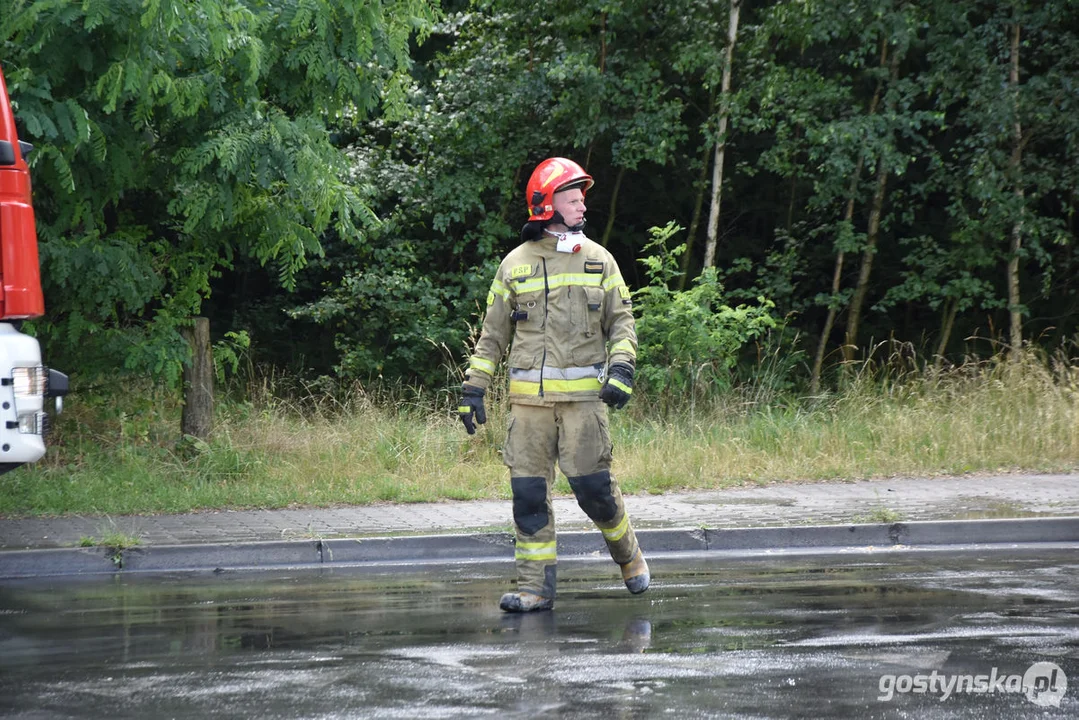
[(991, 416)]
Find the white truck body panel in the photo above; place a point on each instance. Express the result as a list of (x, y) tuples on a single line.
[(18, 350)]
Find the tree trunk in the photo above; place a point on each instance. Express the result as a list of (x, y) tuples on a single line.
[(951, 309), (197, 416), (1014, 298), (848, 218), (721, 138), (793, 194), (695, 221), (613, 206), (854, 316), (794, 175), (829, 322)]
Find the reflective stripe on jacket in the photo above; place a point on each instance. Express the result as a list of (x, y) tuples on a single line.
[(567, 315)]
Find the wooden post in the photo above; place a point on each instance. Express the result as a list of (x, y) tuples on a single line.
[(198, 412)]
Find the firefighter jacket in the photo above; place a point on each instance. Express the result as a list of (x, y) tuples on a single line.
[(567, 315)]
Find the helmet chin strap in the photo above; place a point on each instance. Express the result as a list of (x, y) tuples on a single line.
[(559, 220)]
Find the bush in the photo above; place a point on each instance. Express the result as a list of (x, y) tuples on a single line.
[(689, 340)]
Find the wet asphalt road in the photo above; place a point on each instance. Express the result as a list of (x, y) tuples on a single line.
[(849, 635)]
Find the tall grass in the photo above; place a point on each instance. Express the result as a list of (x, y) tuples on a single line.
[(323, 445)]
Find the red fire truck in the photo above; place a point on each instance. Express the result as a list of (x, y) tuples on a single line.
[(24, 382)]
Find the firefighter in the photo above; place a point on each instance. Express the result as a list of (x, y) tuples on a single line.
[(560, 302)]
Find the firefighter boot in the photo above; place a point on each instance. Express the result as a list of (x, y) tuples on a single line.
[(635, 574), (521, 602)]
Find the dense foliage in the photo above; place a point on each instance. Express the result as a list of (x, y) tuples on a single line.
[(339, 179), (174, 140)]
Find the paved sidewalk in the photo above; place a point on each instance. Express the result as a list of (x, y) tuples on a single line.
[(781, 505)]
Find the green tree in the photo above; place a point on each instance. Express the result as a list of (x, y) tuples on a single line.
[(513, 85), (899, 169), (825, 83), (1007, 75), (173, 137)]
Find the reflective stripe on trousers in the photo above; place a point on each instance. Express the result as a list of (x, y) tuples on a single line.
[(576, 435)]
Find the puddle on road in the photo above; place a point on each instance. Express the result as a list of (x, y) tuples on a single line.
[(809, 637)]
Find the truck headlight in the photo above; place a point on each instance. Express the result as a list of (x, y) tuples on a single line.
[(30, 423), (33, 423), (30, 381)]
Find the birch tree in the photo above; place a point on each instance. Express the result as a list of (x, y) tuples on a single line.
[(721, 136)]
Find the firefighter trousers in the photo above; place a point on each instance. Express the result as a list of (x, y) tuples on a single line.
[(577, 436)]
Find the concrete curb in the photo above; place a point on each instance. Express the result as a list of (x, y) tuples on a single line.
[(1001, 533)]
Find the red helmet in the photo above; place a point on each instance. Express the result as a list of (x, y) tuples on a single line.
[(550, 176)]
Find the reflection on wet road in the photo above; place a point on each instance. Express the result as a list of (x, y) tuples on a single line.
[(809, 637)]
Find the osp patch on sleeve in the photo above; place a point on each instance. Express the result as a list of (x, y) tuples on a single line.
[(490, 298), (593, 266), (521, 271), (624, 293)]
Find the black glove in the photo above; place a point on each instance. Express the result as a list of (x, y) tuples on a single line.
[(618, 387), (471, 404)]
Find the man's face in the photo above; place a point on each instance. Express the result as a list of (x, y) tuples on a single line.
[(570, 205)]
